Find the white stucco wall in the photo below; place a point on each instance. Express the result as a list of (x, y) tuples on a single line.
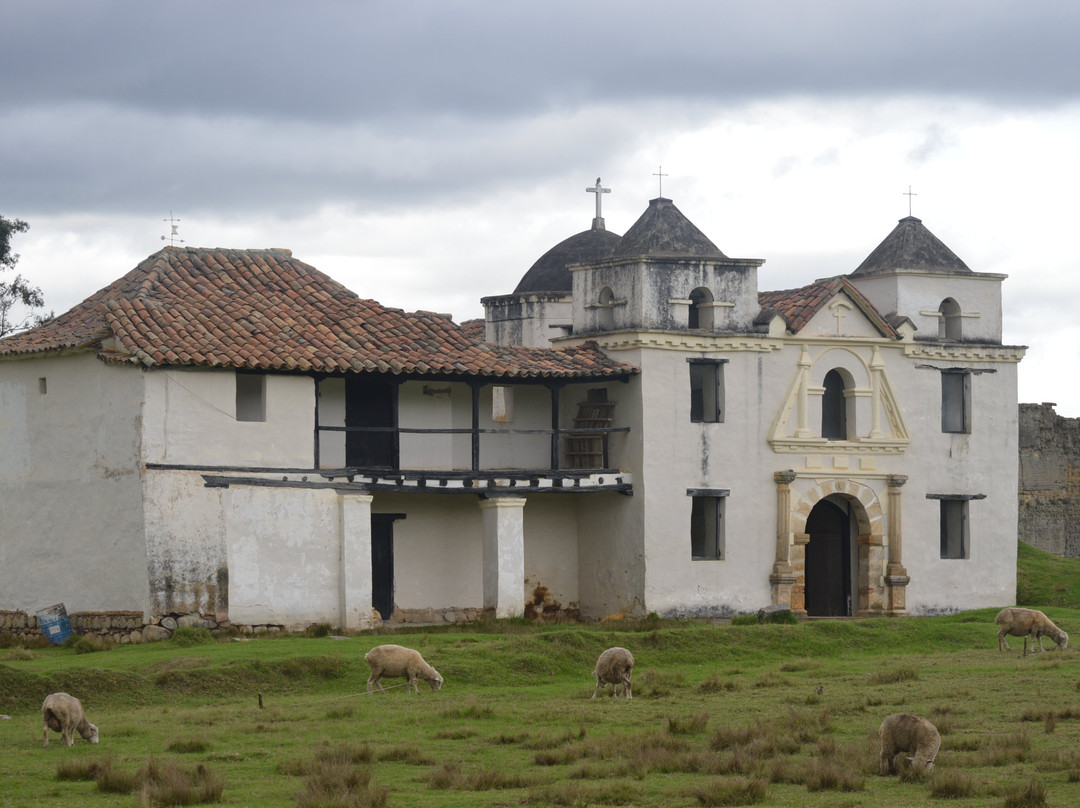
[(71, 513), (190, 418)]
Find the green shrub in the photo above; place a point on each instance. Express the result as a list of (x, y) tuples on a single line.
[(186, 636)]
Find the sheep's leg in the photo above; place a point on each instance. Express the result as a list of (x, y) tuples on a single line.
[(626, 687), (1041, 649), (888, 755), (46, 732), (1025, 645), (412, 686), (1003, 644), (597, 690), (69, 736)]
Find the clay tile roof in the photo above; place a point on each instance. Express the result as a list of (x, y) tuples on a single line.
[(798, 306), (264, 309)]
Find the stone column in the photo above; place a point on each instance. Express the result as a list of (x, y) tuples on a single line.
[(354, 566), (896, 577), (783, 576), (504, 556)]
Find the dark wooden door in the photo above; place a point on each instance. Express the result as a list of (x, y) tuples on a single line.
[(828, 561), (382, 562), (371, 402)]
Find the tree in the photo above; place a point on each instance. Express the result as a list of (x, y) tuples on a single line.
[(18, 299)]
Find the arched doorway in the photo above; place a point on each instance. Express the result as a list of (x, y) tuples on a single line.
[(828, 559)]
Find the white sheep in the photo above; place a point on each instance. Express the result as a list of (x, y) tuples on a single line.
[(614, 667), (396, 660), (63, 713), (1028, 622), (904, 732)]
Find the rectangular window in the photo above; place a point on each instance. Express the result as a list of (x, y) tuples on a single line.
[(954, 530), (250, 396), (955, 402), (707, 524), (706, 390)]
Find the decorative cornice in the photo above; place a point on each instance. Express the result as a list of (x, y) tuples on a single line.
[(964, 351), (815, 445)]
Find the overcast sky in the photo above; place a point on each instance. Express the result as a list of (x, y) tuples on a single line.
[(426, 153)]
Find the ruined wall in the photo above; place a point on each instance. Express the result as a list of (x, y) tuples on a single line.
[(1049, 480)]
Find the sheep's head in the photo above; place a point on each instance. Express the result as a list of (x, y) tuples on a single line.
[(436, 682), (90, 732), (1063, 641)]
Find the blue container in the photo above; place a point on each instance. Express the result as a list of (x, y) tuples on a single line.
[(54, 624)]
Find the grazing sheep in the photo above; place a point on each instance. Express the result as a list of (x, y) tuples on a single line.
[(395, 660), (1025, 622), (904, 732), (614, 667), (64, 714)]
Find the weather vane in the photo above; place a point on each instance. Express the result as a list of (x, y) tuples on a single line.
[(908, 194), (660, 173), (174, 234)]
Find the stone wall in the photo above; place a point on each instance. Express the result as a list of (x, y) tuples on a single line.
[(121, 627), (1049, 513)]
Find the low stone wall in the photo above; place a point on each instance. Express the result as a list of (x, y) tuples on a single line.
[(122, 627)]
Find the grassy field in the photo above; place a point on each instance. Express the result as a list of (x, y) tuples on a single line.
[(781, 715)]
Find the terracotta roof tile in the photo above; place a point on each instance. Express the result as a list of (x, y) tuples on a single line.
[(265, 309), (798, 306)]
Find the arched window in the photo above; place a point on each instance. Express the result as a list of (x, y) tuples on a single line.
[(701, 309), (834, 425), (949, 319), (605, 312)]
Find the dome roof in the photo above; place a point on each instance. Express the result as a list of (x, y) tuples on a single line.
[(550, 273)]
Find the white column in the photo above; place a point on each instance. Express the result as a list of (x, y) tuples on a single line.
[(504, 555), (354, 589)]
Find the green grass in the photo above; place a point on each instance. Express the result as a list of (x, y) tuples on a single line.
[(766, 714), (1044, 579)]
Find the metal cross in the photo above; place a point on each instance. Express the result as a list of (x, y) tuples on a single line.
[(660, 173), (598, 191), (908, 194), (174, 233)]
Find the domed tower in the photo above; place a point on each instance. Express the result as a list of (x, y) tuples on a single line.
[(665, 274), (540, 308)]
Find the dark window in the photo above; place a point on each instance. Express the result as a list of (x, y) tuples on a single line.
[(250, 397), (955, 401), (954, 529), (834, 408), (707, 526), (706, 391)]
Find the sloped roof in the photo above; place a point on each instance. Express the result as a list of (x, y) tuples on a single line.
[(911, 247), (263, 309), (662, 231), (550, 273), (798, 306)]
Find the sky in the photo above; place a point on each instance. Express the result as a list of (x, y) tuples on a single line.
[(425, 154)]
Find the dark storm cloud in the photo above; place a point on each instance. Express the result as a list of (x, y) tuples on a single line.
[(347, 61)]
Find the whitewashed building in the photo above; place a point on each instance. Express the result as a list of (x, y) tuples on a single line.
[(230, 433)]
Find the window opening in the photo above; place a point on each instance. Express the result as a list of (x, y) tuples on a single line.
[(250, 396), (954, 528), (706, 390), (955, 401), (949, 319), (707, 524), (834, 408), (701, 310)]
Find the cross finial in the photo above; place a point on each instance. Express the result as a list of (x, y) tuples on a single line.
[(598, 222), (908, 194), (660, 173), (174, 232)]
